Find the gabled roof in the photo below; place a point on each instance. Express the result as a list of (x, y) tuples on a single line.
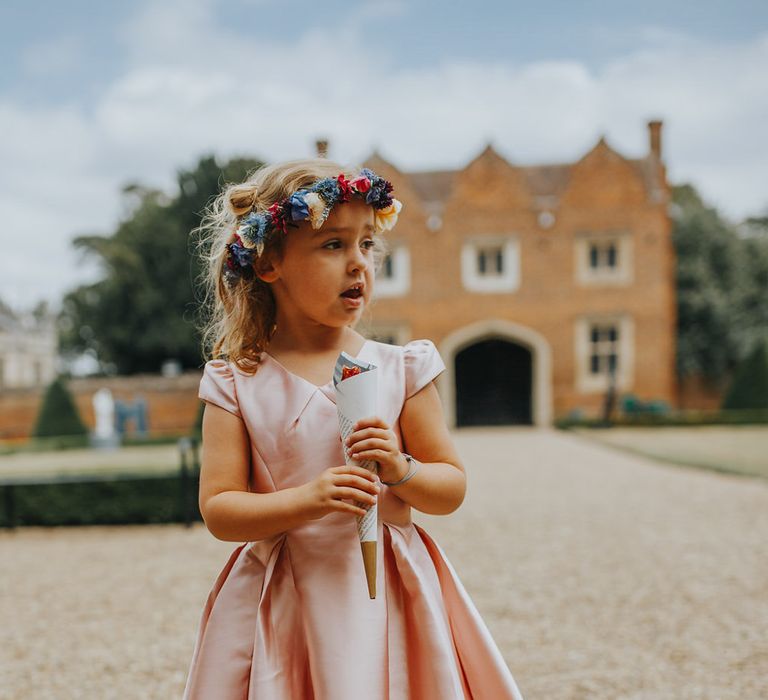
[(545, 181), (433, 185)]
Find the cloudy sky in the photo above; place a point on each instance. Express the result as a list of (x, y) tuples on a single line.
[(95, 95)]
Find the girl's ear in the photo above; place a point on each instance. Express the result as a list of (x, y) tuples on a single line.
[(265, 269)]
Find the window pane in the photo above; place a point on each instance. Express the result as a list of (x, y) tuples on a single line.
[(499, 261), (612, 255), (594, 364), (481, 262), (593, 256), (595, 334), (388, 267), (613, 333)]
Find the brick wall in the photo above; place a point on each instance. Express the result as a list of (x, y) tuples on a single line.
[(171, 403)]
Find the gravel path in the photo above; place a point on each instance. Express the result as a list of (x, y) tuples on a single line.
[(601, 576)]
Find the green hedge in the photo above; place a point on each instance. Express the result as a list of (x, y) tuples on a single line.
[(58, 413), (124, 502), (749, 388), (681, 418)]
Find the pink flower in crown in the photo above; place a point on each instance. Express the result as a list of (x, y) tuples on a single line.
[(345, 190), (362, 184)]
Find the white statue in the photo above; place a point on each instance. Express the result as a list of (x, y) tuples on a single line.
[(104, 408)]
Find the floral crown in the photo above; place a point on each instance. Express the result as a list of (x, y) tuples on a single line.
[(313, 204)]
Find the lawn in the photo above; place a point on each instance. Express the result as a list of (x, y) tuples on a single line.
[(153, 459), (740, 449)]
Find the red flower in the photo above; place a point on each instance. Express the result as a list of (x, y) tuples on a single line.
[(279, 219), (361, 184), (344, 188), (347, 372)]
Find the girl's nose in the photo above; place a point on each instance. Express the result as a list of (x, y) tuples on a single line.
[(358, 261)]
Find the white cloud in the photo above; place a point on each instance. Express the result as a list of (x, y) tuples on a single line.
[(190, 88)]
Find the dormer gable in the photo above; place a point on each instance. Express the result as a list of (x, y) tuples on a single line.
[(603, 177)]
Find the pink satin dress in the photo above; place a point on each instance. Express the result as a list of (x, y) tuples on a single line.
[(289, 617)]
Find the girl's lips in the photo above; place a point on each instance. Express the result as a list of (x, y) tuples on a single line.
[(353, 303)]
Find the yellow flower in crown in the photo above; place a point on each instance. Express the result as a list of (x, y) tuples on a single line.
[(385, 219), (316, 207)]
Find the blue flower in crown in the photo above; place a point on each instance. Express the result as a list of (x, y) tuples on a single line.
[(328, 189), (254, 229), (299, 206), (240, 256)]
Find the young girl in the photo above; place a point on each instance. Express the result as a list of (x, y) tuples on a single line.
[(292, 255)]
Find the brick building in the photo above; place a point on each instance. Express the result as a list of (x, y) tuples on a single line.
[(28, 349), (535, 281), (531, 281)]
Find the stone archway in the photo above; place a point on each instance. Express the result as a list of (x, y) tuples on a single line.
[(497, 340), (493, 384)]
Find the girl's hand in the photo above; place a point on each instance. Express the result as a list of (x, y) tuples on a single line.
[(323, 494), (373, 439)]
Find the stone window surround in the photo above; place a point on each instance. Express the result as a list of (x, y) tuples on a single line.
[(508, 281), (400, 282), (585, 381), (621, 275)]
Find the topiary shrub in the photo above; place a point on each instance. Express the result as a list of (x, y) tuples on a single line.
[(58, 413), (749, 388)]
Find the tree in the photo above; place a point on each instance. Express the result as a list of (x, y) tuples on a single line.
[(722, 288), (749, 388), (58, 413), (142, 311)]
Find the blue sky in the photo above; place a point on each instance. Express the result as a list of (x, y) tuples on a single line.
[(95, 95)]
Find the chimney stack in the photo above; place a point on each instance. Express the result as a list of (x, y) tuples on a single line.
[(322, 148), (654, 133)]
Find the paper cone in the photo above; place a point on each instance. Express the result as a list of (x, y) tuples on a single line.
[(356, 398)]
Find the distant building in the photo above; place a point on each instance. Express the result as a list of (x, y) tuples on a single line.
[(535, 282), (28, 349)]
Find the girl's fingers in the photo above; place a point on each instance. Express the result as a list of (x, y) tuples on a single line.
[(356, 494), (352, 469), (349, 508), (368, 484), (373, 421), (368, 433), (371, 443)]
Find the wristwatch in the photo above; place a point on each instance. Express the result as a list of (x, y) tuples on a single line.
[(413, 467)]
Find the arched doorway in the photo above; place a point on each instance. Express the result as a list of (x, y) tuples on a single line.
[(494, 380)]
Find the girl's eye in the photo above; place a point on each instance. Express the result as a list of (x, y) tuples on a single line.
[(368, 244)]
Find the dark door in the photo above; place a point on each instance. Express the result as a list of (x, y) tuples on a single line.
[(493, 384)]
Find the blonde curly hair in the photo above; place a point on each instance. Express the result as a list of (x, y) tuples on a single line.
[(237, 322)]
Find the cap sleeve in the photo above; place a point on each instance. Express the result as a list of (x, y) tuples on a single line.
[(422, 364), (218, 386)]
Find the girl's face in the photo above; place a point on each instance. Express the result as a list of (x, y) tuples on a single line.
[(318, 268)]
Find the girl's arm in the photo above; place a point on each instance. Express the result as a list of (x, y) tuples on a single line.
[(229, 511), (440, 484), (438, 488)]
